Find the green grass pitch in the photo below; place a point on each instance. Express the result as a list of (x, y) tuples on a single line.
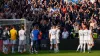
[(61, 53)]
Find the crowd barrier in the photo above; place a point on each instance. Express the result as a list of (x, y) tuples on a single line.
[(68, 44), (65, 44)]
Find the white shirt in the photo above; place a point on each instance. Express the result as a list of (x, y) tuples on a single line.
[(86, 34), (53, 33), (58, 34), (89, 35), (65, 35), (22, 35), (81, 35)]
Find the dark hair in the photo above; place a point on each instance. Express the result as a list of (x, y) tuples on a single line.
[(86, 26), (36, 26), (12, 27), (80, 27), (22, 27)]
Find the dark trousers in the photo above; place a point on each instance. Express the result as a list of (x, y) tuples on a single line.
[(39, 44), (35, 45)]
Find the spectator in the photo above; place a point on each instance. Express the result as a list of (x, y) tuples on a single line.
[(76, 29), (65, 34), (1, 14), (53, 11)]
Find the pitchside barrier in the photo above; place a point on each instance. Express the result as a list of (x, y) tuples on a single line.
[(68, 44)]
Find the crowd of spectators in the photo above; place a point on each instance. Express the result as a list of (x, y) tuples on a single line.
[(49, 12)]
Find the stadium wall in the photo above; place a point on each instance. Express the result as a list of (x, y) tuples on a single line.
[(70, 44)]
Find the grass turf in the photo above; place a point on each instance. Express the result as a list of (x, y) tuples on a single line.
[(61, 53)]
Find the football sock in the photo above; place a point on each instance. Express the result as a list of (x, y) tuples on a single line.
[(84, 47), (50, 47), (12, 49), (78, 47)]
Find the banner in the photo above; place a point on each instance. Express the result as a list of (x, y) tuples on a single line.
[(75, 1)]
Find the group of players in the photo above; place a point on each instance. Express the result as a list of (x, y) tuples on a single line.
[(9, 38), (54, 34), (85, 38)]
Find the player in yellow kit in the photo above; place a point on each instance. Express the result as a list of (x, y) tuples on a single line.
[(13, 34)]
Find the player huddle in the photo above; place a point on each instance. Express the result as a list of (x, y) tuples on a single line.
[(54, 34), (85, 38)]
